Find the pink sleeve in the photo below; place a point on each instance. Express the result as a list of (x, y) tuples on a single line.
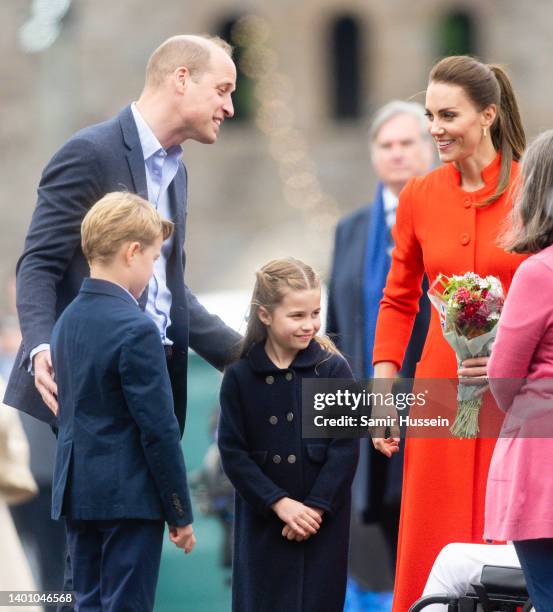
[(526, 315)]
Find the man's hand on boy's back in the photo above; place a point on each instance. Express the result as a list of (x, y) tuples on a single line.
[(183, 537), (44, 379)]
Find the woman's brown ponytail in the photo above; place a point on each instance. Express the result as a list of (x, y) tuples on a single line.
[(507, 131)]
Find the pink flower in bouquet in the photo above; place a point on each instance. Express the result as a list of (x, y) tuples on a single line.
[(462, 295)]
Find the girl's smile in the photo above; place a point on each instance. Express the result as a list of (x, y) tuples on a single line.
[(292, 324)]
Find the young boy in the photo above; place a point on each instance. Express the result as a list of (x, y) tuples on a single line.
[(119, 470)]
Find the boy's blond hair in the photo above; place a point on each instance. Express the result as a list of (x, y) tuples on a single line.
[(117, 218)]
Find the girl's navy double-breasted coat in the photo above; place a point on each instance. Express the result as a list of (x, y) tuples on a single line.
[(265, 457)]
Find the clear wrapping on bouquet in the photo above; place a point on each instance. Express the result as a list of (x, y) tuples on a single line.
[(469, 307)]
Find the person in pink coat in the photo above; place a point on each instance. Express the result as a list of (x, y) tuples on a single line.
[(519, 497)]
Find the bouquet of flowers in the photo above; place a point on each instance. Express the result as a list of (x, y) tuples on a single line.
[(469, 307)]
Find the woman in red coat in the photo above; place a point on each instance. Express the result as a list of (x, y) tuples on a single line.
[(448, 222)]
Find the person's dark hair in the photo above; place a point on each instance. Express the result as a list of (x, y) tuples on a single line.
[(487, 84), (533, 210)]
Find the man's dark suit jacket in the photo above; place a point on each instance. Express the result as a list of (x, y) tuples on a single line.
[(119, 454), (95, 161), (345, 314)]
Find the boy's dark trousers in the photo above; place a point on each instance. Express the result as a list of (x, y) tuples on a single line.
[(115, 563)]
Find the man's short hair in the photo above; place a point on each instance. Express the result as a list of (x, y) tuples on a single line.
[(192, 51), (394, 108), (117, 218)]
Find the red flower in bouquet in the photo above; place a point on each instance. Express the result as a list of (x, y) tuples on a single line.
[(473, 304)]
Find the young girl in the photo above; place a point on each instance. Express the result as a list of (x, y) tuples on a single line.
[(519, 499), (293, 494)]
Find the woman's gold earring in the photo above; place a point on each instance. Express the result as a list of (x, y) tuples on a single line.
[(485, 131)]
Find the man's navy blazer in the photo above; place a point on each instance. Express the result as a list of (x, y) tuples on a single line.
[(95, 161), (119, 454), (345, 312)]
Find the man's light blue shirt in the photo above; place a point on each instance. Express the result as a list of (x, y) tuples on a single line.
[(161, 168)]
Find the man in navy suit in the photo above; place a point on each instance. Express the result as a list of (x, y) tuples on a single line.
[(400, 148), (119, 471), (187, 95)]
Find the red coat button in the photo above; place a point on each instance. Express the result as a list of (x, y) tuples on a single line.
[(467, 203), (464, 239)]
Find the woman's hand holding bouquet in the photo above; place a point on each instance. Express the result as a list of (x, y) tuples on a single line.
[(469, 307)]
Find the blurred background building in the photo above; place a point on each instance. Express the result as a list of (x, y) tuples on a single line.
[(295, 157)]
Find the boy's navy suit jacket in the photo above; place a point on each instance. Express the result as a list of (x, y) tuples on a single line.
[(119, 454)]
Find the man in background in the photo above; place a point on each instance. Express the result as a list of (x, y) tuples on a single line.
[(400, 148)]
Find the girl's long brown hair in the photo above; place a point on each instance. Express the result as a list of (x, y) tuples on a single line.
[(272, 282)]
